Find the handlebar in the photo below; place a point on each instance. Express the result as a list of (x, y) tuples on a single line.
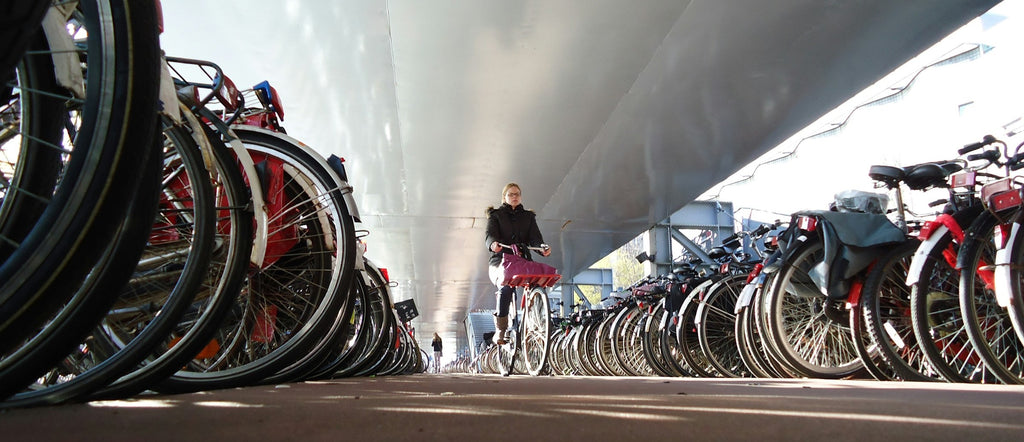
[(540, 248), (988, 155), (986, 140)]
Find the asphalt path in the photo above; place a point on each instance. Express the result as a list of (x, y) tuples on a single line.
[(491, 408)]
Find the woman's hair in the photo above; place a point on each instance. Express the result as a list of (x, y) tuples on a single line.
[(506, 189), (435, 335), (503, 192)]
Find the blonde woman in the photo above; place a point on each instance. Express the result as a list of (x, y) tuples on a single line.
[(508, 224)]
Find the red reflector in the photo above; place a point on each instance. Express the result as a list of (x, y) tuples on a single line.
[(384, 272), (808, 223), (1005, 200), (228, 95), (963, 179), (753, 273), (927, 229)]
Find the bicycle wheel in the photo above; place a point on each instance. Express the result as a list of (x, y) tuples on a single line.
[(100, 157), (48, 344), (354, 343), (605, 346), (536, 330), (987, 324), (748, 342), (193, 337), (651, 335), (294, 298), (671, 351), (507, 351), (885, 306), (936, 314), (686, 335), (716, 326), (867, 350), (630, 348), (1012, 273), (159, 292), (377, 319), (810, 334)]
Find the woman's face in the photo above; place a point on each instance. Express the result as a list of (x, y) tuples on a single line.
[(513, 197)]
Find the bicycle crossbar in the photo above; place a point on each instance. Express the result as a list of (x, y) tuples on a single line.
[(533, 280)]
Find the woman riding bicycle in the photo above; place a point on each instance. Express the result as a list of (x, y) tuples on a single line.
[(509, 224)]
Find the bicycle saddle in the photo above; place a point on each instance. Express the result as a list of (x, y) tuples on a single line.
[(717, 253), (889, 175), (923, 176)]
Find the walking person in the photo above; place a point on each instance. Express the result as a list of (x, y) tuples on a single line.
[(436, 343)]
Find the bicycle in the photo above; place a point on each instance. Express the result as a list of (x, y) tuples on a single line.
[(532, 335)]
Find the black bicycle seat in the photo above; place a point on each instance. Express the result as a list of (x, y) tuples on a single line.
[(889, 175), (923, 176), (717, 253)]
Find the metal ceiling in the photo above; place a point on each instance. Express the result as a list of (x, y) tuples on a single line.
[(611, 115)]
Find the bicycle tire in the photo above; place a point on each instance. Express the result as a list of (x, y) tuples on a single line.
[(116, 136), (156, 297), (885, 307), (651, 336), (796, 308), (354, 343), (376, 316), (193, 337), (936, 314), (296, 296), (79, 314), (986, 322), (686, 334), (1014, 277), (508, 351), (746, 345), (717, 326)]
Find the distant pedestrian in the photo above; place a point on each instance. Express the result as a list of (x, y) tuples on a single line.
[(436, 343)]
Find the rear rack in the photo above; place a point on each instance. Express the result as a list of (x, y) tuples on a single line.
[(533, 280)]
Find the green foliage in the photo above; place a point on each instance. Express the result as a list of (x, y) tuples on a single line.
[(591, 292), (625, 269)]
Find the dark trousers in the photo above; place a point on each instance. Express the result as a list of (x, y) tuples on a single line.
[(504, 300)]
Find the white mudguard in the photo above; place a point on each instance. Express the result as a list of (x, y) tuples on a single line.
[(923, 250)]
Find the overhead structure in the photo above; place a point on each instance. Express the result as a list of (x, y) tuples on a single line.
[(611, 115)]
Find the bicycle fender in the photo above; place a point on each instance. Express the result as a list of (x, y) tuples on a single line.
[(922, 253), (66, 65), (343, 186), (1004, 259)]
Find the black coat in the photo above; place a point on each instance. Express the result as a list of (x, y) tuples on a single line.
[(508, 225)]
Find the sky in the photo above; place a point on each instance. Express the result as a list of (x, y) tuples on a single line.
[(937, 110)]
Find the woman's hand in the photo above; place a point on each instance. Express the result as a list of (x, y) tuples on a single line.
[(495, 247), (546, 252)]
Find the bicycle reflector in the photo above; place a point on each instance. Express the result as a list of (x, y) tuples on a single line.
[(227, 94), (963, 179), (1000, 196), (269, 98), (808, 223), (384, 273)]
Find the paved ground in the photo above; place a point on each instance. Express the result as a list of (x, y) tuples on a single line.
[(491, 408)]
